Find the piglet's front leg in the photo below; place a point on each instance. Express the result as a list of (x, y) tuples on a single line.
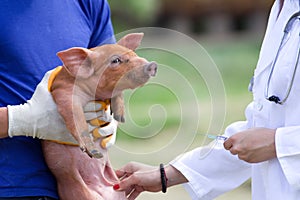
[(79, 128), (72, 112), (117, 107), (86, 143)]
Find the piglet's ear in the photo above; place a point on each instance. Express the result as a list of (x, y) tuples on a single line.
[(77, 61), (131, 41)]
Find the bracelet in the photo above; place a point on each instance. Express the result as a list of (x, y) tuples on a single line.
[(163, 178)]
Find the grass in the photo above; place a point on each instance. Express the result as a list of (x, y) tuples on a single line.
[(236, 61)]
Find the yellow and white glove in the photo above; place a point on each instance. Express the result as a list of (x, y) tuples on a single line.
[(102, 125), (38, 117)]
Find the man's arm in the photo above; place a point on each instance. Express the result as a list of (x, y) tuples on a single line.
[(39, 118), (3, 122)]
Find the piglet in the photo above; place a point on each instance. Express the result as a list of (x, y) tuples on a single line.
[(101, 73)]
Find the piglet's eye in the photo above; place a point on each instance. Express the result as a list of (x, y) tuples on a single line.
[(116, 61)]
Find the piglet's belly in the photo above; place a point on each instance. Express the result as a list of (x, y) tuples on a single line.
[(80, 177)]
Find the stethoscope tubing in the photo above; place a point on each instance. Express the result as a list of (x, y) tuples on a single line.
[(287, 29)]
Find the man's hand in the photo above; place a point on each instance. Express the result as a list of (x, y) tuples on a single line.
[(39, 117), (253, 145), (101, 122)]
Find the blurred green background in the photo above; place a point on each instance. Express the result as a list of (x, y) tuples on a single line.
[(230, 32)]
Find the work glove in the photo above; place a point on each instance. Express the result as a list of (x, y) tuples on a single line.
[(101, 124), (39, 118)]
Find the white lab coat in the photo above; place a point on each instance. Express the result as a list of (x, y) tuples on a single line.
[(275, 179)]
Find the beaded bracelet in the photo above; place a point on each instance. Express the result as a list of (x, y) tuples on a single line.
[(163, 178)]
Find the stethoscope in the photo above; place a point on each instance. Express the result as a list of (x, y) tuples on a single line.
[(274, 98)]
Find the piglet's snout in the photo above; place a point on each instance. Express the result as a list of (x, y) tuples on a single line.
[(150, 68)]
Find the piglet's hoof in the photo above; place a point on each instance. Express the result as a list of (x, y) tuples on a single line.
[(93, 153), (119, 118)]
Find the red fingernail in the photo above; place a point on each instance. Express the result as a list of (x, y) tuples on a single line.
[(116, 186)]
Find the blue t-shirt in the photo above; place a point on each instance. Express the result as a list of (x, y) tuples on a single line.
[(32, 32)]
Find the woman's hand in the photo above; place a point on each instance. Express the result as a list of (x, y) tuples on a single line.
[(253, 145), (136, 178)]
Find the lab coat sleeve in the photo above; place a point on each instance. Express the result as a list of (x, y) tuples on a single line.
[(287, 141), (217, 172)]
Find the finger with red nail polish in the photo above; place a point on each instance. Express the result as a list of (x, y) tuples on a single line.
[(116, 186)]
